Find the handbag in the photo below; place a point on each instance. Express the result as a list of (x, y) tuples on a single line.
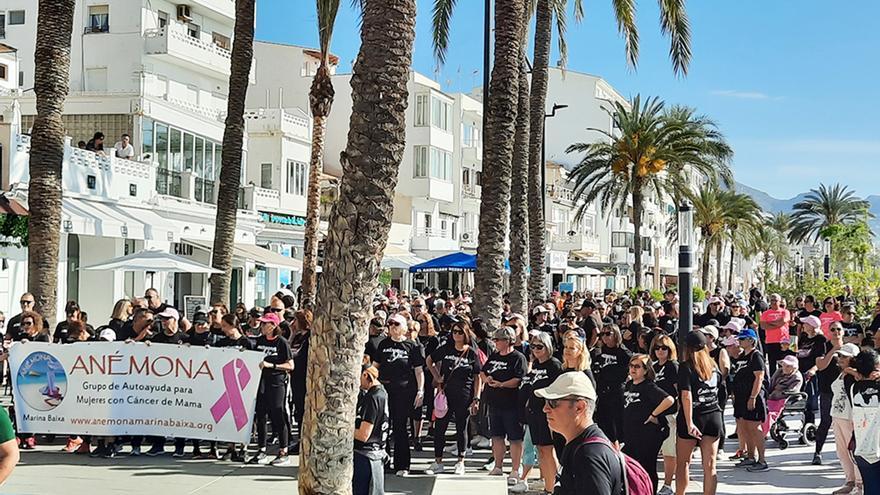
[(441, 404)]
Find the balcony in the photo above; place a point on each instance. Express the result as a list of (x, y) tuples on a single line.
[(295, 125), (471, 191), (174, 43), (582, 242), (204, 191), (226, 8), (560, 193), (260, 199), (430, 188), (169, 182), (429, 239), (472, 154), (469, 240)]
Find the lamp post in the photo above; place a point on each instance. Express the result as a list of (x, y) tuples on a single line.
[(685, 271), (552, 114), (826, 246)]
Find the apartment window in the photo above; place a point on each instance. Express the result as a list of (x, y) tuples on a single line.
[(479, 175), (441, 164), (422, 110), (147, 136), (621, 239), (21, 79), (297, 178), (470, 135), (162, 145), (466, 176), (428, 219), (175, 150), (221, 41), (440, 111), (163, 19), (189, 154), (646, 244), (420, 162), (453, 229), (2, 25), (443, 224), (16, 17), (266, 175), (99, 18), (193, 30), (3, 72)]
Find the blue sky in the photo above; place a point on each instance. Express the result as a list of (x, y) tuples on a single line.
[(791, 84)]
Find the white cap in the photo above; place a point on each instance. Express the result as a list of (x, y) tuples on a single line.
[(848, 350), (573, 383), (108, 334)]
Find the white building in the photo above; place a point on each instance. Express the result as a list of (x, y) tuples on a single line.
[(159, 72)]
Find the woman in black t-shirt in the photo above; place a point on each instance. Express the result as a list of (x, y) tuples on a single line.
[(400, 363), (232, 337), (501, 376), (545, 369), (301, 330), (699, 417), (455, 369), (272, 391), (665, 366), (644, 426), (811, 345), (749, 401), (31, 329), (611, 368), (427, 338)]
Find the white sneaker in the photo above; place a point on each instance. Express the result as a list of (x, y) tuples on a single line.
[(403, 473), (490, 466), (514, 477), (436, 468), (519, 487), (665, 490), (459, 468)]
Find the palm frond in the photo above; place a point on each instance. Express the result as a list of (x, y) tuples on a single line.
[(625, 13), (558, 9), (327, 10), (440, 23), (675, 24)]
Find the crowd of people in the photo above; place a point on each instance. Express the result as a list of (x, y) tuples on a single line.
[(562, 389)]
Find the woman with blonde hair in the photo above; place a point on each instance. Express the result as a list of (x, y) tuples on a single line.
[(665, 357), (634, 323)]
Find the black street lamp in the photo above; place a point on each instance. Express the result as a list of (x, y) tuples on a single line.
[(685, 271), (826, 245), (552, 114)]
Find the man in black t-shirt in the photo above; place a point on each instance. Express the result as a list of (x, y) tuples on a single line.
[(370, 435), (588, 463), (715, 311)]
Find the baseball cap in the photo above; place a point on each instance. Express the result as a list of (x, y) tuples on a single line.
[(812, 321), (734, 325), (696, 340), (169, 314), (382, 315), (710, 330), (742, 303), (505, 333), (573, 383), (399, 319), (540, 309), (271, 317), (848, 350), (715, 300), (729, 341), (107, 334), (748, 333), (255, 313), (199, 318), (789, 360)]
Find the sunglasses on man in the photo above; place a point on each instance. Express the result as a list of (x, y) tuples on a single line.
[(554, 403)]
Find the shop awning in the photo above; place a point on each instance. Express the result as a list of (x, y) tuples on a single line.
[(105, 219), (454, 262), (582, 270), (152, 260), (9, 206), (257, 254), (398, 258)]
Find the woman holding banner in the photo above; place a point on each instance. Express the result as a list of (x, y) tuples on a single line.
[(272, 393), (31, 330), (233, 337)]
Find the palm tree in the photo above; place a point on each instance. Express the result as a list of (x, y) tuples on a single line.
[(233, 141), (743, 216), (359, 224), (320, 100), (519, 201), (781, 223), (709, 217), (51, 80), (656, 152), (673, 22), (824, 207), (769, 244)]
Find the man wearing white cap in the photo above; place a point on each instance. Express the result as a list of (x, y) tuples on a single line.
[(715, 311), (588, 463)]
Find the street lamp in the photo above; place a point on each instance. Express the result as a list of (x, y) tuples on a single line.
[(826, 246), (685, 271), (552, 114)]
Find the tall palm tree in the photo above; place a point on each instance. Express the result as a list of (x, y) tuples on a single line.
[(320, 101), (824, 207), (233, 141), (781, 223), (359, 224), (673, 23), (709, 217), (51, 80), (519, 201), (744, 215), (770, 245), (656, 153)]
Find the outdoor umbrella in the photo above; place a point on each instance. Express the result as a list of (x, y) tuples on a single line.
[(152, 260)]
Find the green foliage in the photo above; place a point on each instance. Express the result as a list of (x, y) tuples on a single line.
[(850, 244), (656, 295), (825, 207), (13, 230), (864, 284), (699, 295)]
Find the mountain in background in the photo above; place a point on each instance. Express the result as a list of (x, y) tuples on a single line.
[(773, 205)]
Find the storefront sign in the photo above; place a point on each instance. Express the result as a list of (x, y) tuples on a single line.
[(190, 303), (114, 389), (557, 260), (182, 249), (282, 219)]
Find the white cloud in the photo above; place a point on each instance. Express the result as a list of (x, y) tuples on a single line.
[(742, 95)]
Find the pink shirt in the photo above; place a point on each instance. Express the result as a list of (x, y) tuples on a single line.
[(828, 318), (776, 335)]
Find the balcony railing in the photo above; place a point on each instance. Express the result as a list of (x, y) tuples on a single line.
[(274, 119), (174, 40), (470, 190), (430, 232), (168, 182), (204, 190)]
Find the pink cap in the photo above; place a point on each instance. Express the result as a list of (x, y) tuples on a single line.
[(271, 317)]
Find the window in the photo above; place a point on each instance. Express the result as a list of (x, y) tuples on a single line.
[(21, 79), (175, 151), (162, 145), (479, 178), (188, 152), (266, 175), (192, 30), (297, 178), (443, 224), (466, 176), (621, 239), (440, 111), (428, 221), (99, 19), (420, 162), (3, 72), (441, 164), (163, 19), (421, 110), (454, 229), (221, 41), (470, 135), (147, 136), (16, 17), (646, 244), (2, 25)]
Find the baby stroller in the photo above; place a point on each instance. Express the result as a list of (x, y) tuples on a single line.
[(795, 404)]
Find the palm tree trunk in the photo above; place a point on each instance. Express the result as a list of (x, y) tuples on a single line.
[(730, 272), (637, 233), (320, 99), (359, 224), (500, 132), (704, 265), (51, 82), (233, 140), (719, 261), (519, 201), (537, 107)]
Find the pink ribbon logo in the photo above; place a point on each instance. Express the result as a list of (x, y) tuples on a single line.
[(231, 398)]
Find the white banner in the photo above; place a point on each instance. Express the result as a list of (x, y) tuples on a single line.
[(114, 389)]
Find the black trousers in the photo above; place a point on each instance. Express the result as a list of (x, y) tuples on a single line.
[(645, 452), (400, 405), (461, 413), (825, 417), (298, 391), (775, 352), (272, 404)]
